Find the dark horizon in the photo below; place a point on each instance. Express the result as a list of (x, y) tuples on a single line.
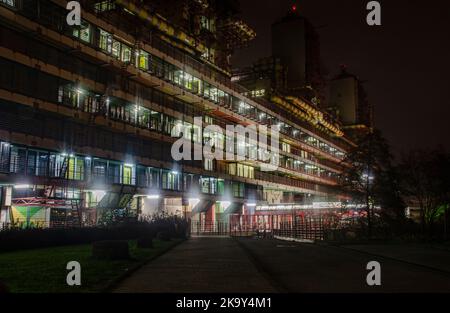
[(404, 62)]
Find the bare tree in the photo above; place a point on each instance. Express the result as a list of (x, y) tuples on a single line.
[(368, 178), (425, 178)]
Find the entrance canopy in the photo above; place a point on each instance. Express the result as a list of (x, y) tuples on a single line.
[(233, 208), (202, 206)]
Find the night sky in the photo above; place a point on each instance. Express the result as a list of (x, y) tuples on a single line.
[(405, 62)]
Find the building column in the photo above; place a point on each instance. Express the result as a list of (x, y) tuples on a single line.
[(210, 217)]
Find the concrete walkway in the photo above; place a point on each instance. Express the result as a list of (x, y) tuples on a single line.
[(310, 268), (420, 254), (225, 265), (199, 265)]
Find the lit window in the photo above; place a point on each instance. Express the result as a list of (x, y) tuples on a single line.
[(205, 185), (105, 6), (121, 51), (232, 169), (143, 60), (105, 41), (209, 164), (210, 92), (75, 168), (83, 32), (127, 175), (209, 54), (241, 170), (178, 77), (286, 147), (258, 93), (196, 134), (116, 49), (126, 53), (187, 130), (207, 23), (209, 120)]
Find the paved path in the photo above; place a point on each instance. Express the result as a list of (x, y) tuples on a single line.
[(199, 265), (250, 265), (426, 255), (315, 268)]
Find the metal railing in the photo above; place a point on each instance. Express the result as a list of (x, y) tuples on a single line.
[(23, 224), (202, 228), (303, 227)]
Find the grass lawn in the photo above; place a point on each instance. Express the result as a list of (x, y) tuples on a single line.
[(44, 270)]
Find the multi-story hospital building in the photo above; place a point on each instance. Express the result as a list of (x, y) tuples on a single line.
[(89, 113)]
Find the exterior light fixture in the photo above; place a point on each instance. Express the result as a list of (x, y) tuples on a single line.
[(225, 204), (364, 176), (153, 197), (98, 194)]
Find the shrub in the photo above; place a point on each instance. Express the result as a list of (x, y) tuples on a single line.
[(163, 235), (111, 250), (145, 242), (20, 239), (3, 288)]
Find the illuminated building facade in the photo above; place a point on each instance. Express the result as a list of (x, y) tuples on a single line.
[(88, 114)]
